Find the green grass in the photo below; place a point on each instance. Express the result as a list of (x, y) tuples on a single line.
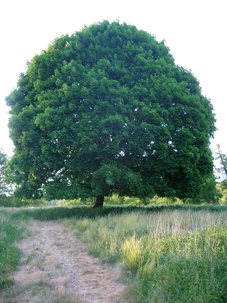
[(170, 256), (9, 253)]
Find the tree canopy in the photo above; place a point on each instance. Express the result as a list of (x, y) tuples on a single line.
[(105, 111)]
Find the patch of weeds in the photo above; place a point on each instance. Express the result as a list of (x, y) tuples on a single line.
[(9, 258), (5, 282)]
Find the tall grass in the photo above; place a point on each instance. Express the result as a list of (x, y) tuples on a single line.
[(173, 256)]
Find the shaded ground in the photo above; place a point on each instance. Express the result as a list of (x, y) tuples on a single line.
[(55, 267)]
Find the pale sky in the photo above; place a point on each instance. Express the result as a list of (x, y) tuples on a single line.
[(195, 32)]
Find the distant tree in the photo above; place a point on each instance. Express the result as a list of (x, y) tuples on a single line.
[(209, 192), (4, 187), (223, 160), (3, 165), (106, 111), (222, 187)]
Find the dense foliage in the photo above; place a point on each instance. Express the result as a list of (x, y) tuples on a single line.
[(105, 111)]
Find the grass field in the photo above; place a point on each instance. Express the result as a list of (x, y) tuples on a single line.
[(168, 254)]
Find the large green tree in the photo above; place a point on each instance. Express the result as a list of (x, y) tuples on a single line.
[(105, 111)]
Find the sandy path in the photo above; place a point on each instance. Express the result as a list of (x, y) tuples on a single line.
[(55, 267)]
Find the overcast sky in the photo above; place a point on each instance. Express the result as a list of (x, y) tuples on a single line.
[(195, 32)]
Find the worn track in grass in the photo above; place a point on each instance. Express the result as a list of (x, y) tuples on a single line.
[(56, 267)]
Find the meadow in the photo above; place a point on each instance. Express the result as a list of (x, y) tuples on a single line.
[(166, 253)]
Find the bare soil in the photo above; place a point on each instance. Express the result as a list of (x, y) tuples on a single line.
[(56, 267)]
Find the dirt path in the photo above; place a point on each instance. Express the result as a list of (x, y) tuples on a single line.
[(55, 267)]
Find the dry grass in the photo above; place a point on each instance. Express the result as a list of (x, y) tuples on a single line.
[(55, 267)]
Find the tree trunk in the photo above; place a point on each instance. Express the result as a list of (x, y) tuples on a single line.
[(99, 201)]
